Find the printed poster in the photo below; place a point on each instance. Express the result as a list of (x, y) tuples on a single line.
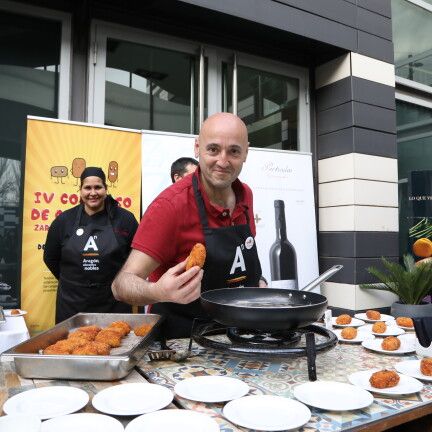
[(56, 154), (273, 175)]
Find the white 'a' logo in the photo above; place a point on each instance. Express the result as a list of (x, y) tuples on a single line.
[(91, 244), (238, 261)]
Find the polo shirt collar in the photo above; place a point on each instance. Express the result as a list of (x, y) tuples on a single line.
[(218, 211)]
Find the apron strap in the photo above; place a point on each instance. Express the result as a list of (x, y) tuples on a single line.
[(201, 207)]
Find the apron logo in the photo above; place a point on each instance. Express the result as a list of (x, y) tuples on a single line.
[(91, 244), (238, 261), (249, 243)]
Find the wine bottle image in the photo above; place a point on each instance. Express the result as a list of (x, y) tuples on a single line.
[(283, 258)]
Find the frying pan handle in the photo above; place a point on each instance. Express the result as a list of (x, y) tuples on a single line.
[(323, 277)]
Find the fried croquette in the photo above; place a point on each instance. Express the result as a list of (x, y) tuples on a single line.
[(102, 348), (196, 257), (142, 330), (373, 315), (343, 319), (15, 312), (87, 335), (379, 327), (384, 379), (349, 333), (87, 349), (56, 350), (390, 343), (124, 326), (404, 322), (426, 366), (110, 337)]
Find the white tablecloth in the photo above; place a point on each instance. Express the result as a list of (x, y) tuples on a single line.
[(12, 332)]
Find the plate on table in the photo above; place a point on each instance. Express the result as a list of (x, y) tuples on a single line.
[(211, 389), (8, 312), (132, 399), (361, 336), (391, 330), (333, 396), (406, 385), (267, 413), (82, 422), (178, 420), (354, 323), (20, 422), (363, 316), (407, 346), (412, 369), (47, 402)]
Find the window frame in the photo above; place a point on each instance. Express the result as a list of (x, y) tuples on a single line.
[(101, 31), (64, 94)]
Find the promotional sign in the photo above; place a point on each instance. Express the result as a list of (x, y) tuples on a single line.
[(278, 179), (56, 154), (420, 219)]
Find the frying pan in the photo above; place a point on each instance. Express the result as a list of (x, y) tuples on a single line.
[(267, 308)]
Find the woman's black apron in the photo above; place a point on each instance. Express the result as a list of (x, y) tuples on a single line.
[(231, 261), (91, 258)]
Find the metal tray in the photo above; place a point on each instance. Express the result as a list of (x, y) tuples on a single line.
[(30, 363)]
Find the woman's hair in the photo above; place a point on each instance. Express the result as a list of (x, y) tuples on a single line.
[(93, 172)]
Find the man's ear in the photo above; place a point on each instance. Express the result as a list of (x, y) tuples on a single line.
[(176, 177), (196, 147)]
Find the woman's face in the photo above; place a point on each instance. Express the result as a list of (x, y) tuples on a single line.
[(93, 194)]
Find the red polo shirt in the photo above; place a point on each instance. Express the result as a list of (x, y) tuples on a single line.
[(171, 226)]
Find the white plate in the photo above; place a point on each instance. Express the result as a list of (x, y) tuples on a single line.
[(211, 388), (391, 330), (47, 402), (132, 399), (406, 328), (20, 422), (354, 323), (7, 313), (333, 396), (82, 422), (406, 385), (177, 420), (361, 336), (267, 413), (364, 317), (407, 346), (412, 369)]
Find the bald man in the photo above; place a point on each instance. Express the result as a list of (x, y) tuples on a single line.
[(211, 207)]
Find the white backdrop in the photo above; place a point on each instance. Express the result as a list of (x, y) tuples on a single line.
[(271, 174)]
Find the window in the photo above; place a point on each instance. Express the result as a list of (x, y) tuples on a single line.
[(143, 80), (268, 104), (412, 27), (414, 139), (32, 82), (149, 88)]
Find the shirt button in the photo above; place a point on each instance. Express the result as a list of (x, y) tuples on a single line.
[(224, 214)]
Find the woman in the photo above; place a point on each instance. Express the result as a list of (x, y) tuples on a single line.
[(86, 246)]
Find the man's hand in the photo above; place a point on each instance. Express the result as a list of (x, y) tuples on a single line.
[(179, 286)]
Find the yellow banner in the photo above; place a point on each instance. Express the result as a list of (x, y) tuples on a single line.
[(56, 154)]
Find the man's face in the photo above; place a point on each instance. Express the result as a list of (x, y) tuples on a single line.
[(222, 149)]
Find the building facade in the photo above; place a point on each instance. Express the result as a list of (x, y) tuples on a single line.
[(304, 75)]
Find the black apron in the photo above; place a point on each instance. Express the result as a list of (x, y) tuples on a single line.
[(231, 261), (91, 258)]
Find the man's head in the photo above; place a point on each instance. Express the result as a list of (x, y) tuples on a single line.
[(222, 147), (182, 167)]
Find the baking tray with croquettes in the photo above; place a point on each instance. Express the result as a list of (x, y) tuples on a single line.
[(87, 346)]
